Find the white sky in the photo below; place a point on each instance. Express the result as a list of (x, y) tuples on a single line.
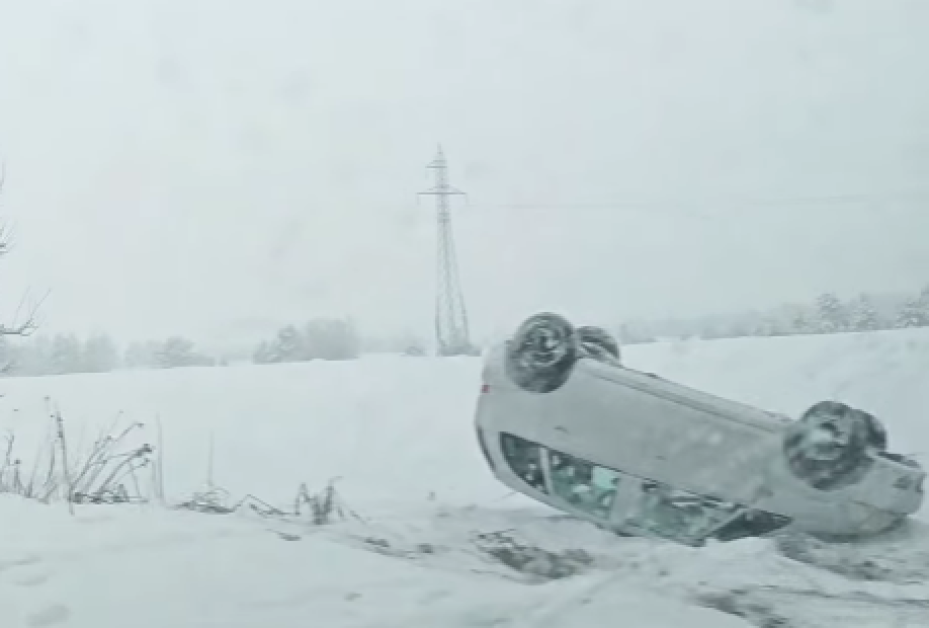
[(205, 166)]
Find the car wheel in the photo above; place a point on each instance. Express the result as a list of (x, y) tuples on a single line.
[(877, 433), (598, 344), (542, 353), (829, 446)]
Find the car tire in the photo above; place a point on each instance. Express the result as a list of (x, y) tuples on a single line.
[(596, 343), (877, 433), (830, 446), (542, 353)]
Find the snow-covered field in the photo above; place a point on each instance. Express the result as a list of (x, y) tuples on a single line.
[(435, 533)]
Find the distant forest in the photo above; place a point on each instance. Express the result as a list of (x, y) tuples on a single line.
[(828, 314), (340, 339)]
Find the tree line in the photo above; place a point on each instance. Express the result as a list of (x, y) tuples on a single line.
[(828, 314), (318, 339), (98, 353), (24, 354)]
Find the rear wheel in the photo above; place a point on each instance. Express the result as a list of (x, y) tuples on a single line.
[(831, 445), (598, 344), (877, 434), (542, 353)]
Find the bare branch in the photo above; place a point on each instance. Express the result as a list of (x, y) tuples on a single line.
[(7, 238), (27, 326), (19, 327), (6, 233)]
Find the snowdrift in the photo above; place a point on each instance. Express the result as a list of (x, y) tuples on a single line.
[(440, 543), (400, 429)]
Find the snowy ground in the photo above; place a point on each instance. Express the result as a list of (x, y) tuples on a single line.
[(438, 540)]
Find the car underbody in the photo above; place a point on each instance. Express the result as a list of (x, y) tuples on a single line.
[(561, 420)]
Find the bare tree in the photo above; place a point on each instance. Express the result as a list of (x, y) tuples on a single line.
[(23, 324)]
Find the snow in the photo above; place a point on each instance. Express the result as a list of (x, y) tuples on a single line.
[(428, 548)]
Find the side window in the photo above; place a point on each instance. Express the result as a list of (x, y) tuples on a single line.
[(677, 514), (752, 523), (525, 459), (585, 486)]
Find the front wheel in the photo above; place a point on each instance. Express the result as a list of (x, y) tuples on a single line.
[(542, 353), (832, 445)]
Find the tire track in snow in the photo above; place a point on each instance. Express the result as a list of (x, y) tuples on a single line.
[(51, 615), (28, 575), (817, 609)]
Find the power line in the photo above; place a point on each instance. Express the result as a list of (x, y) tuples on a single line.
[(804, 202)]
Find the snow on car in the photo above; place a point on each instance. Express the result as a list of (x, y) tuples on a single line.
[(561, 420)]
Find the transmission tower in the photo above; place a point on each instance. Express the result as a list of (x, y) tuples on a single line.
[(451, 318)]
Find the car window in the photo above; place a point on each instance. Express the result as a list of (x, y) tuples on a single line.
[(751, 523), (661, 509), (583, 485), (525, 460), (672, 513)]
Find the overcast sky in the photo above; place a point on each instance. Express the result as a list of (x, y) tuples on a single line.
[(206, 166)]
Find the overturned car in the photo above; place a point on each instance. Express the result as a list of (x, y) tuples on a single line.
[(561, 420)]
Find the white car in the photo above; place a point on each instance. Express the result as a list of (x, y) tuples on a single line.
[(560, 420)]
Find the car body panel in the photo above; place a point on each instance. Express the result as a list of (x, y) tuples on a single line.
[(660, 432)]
